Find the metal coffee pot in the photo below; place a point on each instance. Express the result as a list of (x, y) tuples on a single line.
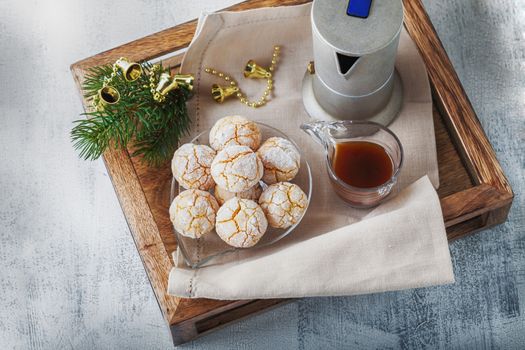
[(354, 45)]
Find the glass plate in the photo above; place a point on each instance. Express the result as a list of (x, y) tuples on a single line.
[(197, 252)]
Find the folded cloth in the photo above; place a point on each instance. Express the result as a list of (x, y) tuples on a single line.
[(401, 244)]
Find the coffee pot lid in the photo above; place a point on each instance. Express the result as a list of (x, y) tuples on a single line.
[(357, 27)]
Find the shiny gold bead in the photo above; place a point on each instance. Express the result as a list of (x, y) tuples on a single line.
[(221, 75), (232, 83), (227, 78), (274, 61), (243, 100), (239, 95), (276, 47), (207, 70), (213, 71)]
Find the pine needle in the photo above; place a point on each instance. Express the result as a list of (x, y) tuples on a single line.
[(151, 129)]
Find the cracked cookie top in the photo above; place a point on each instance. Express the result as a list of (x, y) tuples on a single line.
[(235, 130), (280, 158), (241, 222), (192, 213), (237, 168), (191, 166), (252, 193), (283, 203)]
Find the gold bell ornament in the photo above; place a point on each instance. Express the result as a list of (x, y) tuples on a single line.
[(185, 80), (108, 95), (254, 71), (167, 83), (131, 70), (251, 70), (220, 93)]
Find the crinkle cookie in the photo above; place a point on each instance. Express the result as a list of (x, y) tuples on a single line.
[(241, 222), (283, 203), (252, 193), (280, 158), (192, 213), (191, 166), (236, 169), (235, 130)]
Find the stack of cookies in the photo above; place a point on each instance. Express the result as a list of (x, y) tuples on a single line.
[(236, 185)]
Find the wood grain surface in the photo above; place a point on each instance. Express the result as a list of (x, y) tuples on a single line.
[(474, 191), (452, 100)]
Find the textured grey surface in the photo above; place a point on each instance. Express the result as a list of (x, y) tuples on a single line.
[(70, 276)]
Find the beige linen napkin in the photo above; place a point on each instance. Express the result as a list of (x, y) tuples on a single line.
[(401, 244), (411, 222)]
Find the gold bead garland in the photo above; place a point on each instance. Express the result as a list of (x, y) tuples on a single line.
[(153, 84), (240, 94)]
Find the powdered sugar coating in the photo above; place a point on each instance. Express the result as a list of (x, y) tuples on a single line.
[(280, 158), (284, 204), (193, 213), (236, 168), (235, 130), (252, 193), (191, 166), (241, 222)]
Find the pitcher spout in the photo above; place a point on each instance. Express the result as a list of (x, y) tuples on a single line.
[(317, 130)]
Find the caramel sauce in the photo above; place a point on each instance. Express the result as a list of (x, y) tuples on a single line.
[(362, 164)]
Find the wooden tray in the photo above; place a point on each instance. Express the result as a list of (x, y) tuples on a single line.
[(474, 191)]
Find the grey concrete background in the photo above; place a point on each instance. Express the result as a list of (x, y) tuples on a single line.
[(70, 276)]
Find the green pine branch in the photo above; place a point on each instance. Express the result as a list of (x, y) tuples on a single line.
[(152, 129)]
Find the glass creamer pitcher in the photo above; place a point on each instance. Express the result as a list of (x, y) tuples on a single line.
[(363, 159)]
